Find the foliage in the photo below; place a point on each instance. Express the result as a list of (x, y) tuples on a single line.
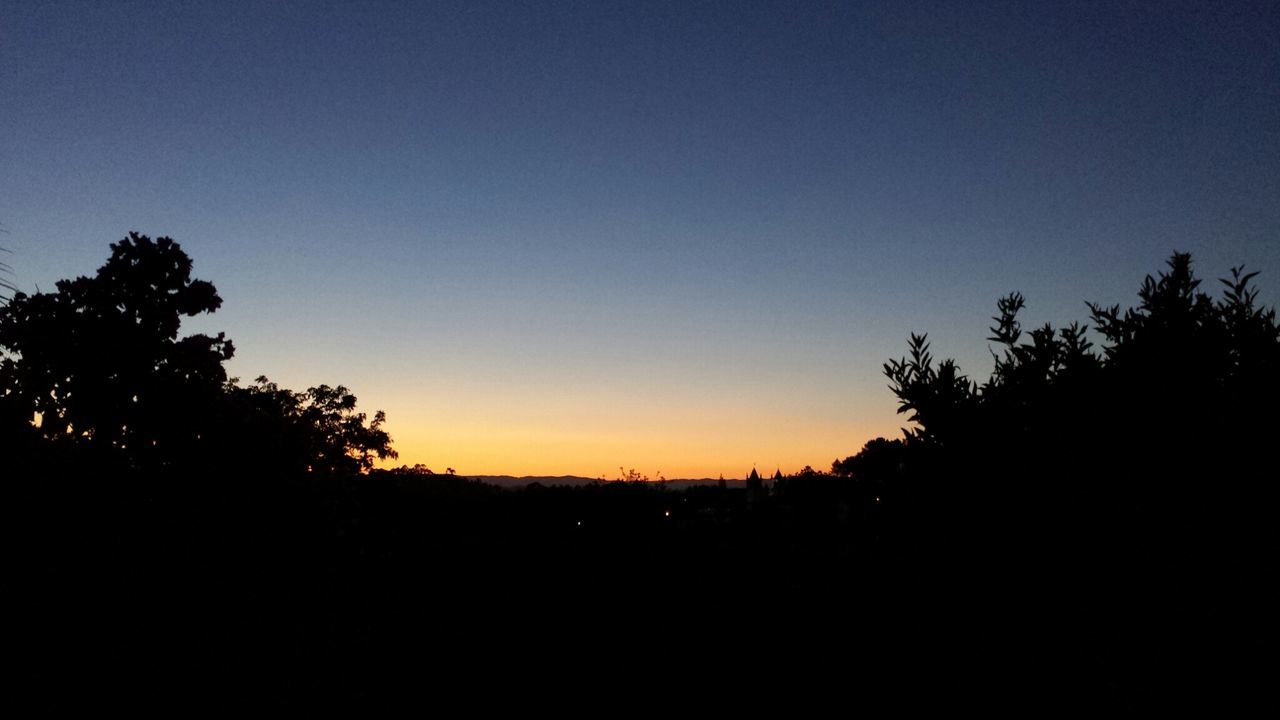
[(936, 397), (631, 475), (321, 428), (99, 360), (635, 476), (1175, 406), (1180, 359), (99, 365), (878, 461)]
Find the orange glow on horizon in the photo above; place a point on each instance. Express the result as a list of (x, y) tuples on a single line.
[(481, 415), (731, 450)]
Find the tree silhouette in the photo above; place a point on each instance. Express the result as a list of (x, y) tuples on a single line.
[(1118, 492), (879, 461), (99, 364), (1176, 406), (317, 431), (99, 360), (1178, 365), (938, 398), (1222, 355)]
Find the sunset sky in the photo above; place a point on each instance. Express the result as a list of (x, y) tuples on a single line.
[(564, 237)]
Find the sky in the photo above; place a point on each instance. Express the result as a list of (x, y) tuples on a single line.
[(568, 237)]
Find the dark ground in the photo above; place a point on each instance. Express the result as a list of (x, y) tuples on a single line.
[(383, 590)]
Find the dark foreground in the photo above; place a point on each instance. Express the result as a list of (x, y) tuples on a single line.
[(381, 590), (1088, 529)]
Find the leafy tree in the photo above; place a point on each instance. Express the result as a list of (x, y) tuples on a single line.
[(1181, 359), (1120, 491), (1223, 354), (1180, 394), (879, 460), (99, 364), (99, 361), (938, 397), (319, 430)]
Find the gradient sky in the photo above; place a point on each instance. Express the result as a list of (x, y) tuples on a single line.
[(554, 238)]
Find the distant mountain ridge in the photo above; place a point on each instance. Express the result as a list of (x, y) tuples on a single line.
[(512, 481), (521, 481)]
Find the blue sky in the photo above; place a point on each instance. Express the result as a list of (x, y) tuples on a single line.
[(564, 237)]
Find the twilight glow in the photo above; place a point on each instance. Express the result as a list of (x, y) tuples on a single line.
[(567, 237)]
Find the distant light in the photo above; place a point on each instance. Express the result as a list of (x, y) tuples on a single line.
[(579, 523), (877, 499), (666, 513)]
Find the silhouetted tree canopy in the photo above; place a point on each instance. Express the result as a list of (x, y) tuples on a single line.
[(1211, 363), (1178, 404), (319, 430), (880, 460), (99, 360), (99, 363)]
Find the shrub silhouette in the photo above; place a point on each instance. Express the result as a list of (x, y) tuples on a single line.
[(1119, 492), (1178, 367)]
